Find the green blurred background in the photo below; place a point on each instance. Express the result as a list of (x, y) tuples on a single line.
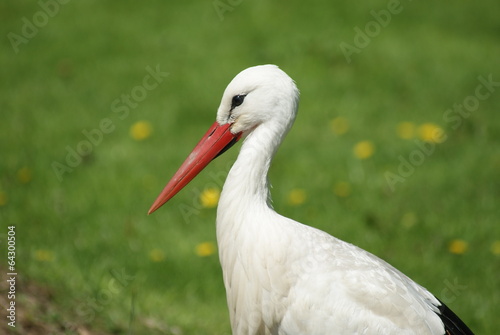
[(89, 258)]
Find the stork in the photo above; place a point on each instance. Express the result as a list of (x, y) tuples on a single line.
[(283, 277)]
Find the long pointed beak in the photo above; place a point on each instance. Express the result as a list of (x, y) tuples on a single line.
[(215, 142)]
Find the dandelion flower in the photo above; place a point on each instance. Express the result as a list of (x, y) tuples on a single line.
[(205, 249), (495, 248), (342, 189), (44, 255), (156, 255), (141, 130), (364, 149), (458, 247), (209, 197), (406, 130), (24, 175), (339, 125), (297, 197), (429, 132)]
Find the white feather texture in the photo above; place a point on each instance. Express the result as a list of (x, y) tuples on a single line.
[(283, 277)]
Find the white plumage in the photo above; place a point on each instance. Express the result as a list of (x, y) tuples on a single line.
[(283, 277)]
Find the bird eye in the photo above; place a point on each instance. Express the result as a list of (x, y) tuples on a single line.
[(237, 100)]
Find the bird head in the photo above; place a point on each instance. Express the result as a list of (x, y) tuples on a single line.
[(259, 95)]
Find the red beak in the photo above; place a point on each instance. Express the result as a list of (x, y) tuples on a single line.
[(217, 140)]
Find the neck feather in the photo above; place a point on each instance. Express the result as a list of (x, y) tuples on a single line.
[(247, 179)]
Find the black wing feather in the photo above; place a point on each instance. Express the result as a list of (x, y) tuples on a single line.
[(452, 323)]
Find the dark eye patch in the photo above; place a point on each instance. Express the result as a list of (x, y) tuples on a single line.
[(237, 100)]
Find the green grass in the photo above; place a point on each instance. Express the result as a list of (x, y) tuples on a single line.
[(92, 225)]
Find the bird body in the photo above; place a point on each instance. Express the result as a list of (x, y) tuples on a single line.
[(304, 281), (283, 277)]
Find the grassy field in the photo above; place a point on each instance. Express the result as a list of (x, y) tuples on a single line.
[(102, 101)]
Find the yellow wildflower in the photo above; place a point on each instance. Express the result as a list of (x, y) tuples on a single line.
[(44, 255), (342, 189), (297, 197), (364, 149), (339, 125), (156, 255), (458, 247), (429, 132), (406, 130), (495, 248), (205, 249), (409, 220), (209, 197), (141, 130), (24, 175)]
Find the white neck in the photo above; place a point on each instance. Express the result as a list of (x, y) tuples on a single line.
[(246, 183), (246, 193)]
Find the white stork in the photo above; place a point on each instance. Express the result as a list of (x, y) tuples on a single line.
[(283, 277)]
